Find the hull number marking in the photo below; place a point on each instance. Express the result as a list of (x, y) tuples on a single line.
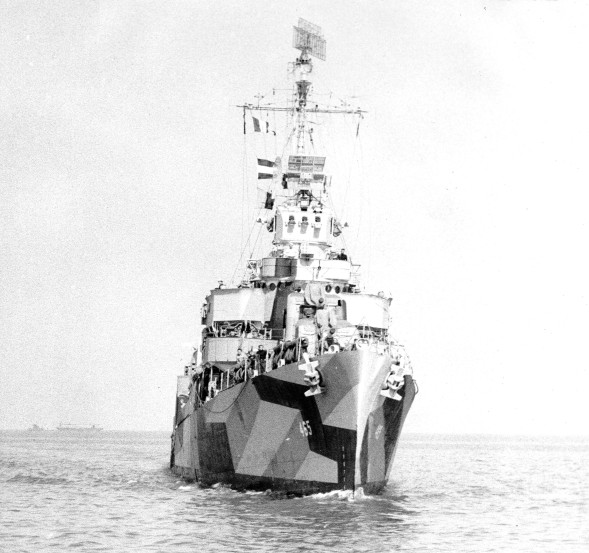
[(305, 428)]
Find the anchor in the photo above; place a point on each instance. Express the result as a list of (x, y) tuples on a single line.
[(313, 377), (393, 383)]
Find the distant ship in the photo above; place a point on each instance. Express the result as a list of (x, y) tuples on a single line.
[(36, 428), (297, 385), (78, 428)]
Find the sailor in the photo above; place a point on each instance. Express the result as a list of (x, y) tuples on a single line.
[(197, 375), (289, 352), (277, 354), (204, 382), (342, 255), (328, 338), (307, 329), (261, 358), (304, 346), (239, 368), (306, 324), (322, 316), (307, 317), (250, 363)]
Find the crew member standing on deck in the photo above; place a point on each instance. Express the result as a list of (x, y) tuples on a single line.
[(307, 330), (261, 359), (239, 368)]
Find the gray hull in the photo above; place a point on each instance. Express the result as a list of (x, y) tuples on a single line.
[(266, 434)]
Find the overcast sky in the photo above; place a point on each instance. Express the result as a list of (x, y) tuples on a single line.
[(122, 181)]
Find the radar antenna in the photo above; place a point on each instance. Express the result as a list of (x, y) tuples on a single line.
[(308, 38)]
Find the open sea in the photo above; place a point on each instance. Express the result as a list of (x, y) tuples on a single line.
[(112, 491)]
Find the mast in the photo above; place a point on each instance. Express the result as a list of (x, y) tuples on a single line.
[(304, 227), (309, 40)]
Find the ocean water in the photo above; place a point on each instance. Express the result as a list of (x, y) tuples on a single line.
[(113, 492)]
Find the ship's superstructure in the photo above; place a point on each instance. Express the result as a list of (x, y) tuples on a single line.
[(297, 384)]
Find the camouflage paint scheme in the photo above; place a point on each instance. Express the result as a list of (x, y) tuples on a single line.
[(266, 434)]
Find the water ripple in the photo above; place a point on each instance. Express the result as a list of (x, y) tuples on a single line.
[(113, 492)]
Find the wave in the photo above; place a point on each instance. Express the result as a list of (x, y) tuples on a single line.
[(42, 480)]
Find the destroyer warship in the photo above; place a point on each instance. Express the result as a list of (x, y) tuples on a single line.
[(297, 385)]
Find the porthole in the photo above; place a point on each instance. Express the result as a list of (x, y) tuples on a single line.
[(337, 289), (328, 288), (272, 287)]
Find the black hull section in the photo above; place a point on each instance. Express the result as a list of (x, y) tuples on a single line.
[(266, 434)]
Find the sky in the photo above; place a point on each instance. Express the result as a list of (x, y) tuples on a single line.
[(126, 188)]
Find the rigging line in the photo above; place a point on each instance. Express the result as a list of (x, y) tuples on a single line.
[(251, 233), (343, 151), (256, 241), (265, 135), (270, 188), (275, 133), (370, 228), (203, 406), (337, 151), (331, 205), (243, 251), (349, 179), (253, 245), (247, 197), (288, 140), (240, 258), (329, 145), (365, 197), (243, 184)]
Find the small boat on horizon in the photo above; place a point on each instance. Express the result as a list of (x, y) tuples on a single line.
[(78, 428), (36, 428)]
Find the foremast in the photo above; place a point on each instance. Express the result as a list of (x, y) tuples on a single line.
[(304, 225)]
